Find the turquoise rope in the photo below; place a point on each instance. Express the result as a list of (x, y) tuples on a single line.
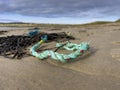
[(80, 50)]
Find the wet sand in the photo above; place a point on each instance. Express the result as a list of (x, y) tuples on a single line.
[(99, 70)]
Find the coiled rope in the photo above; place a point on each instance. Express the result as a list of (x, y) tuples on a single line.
[(79, 49)]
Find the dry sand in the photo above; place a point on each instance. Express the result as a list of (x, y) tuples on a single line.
[(99, 70)]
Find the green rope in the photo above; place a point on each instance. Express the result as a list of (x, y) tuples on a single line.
[(79, 49)]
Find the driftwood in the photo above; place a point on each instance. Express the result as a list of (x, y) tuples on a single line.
[(15, 46)]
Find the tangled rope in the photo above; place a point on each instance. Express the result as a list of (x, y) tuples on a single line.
[(79, 49), (15, 46)]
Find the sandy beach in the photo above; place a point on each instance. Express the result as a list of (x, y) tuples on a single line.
[(99, 70)]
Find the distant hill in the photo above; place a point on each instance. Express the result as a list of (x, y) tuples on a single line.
[(98, 22), (12, 23), (17, 23), (117, 20)]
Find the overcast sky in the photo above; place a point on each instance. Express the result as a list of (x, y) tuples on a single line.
[(59, 11)]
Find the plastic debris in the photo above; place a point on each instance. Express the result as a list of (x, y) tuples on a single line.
[(78, 50), (15, 46)]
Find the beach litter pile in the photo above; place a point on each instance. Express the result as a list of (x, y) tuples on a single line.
[(15, 46)]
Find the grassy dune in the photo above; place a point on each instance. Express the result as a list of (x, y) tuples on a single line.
[(55, 25)]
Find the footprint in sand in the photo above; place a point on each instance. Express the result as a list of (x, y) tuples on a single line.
[(115, 53)]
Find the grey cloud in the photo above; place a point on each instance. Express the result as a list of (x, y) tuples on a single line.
[(62, 8)]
